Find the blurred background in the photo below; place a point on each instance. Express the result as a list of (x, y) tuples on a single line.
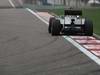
[(74, 3)]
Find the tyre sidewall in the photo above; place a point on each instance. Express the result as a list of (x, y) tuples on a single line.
[(56, 27), (50, 24), (88, 27)]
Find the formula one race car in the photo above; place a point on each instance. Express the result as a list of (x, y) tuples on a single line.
[(72, 23)]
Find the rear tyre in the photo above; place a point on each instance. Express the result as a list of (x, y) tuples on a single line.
[(88, 28), (56, 28), (50, 24)]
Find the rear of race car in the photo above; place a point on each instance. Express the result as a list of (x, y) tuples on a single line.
[(72, 23)]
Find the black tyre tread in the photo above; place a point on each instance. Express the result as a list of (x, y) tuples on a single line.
[(50, 23), (88, 29), (56, 28)]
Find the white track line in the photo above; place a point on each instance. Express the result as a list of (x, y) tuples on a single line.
[(82, 49), (31, 11), (12, 4)]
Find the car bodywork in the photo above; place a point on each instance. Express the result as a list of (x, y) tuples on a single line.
[(72, 23)]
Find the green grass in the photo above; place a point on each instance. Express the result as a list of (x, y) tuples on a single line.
[(57, 11), (93, 14)]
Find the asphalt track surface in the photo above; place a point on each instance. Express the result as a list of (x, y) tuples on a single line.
[(26, 48), (4, 3)]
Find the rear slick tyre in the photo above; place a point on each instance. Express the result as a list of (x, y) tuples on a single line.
[(56, 28), (88, 28), (50, 24)]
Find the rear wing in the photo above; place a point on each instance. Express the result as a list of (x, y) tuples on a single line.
[(73, 12)]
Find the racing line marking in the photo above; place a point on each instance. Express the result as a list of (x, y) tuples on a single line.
[(12, 4), (76, 44), (31, 11), (84, 50)]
